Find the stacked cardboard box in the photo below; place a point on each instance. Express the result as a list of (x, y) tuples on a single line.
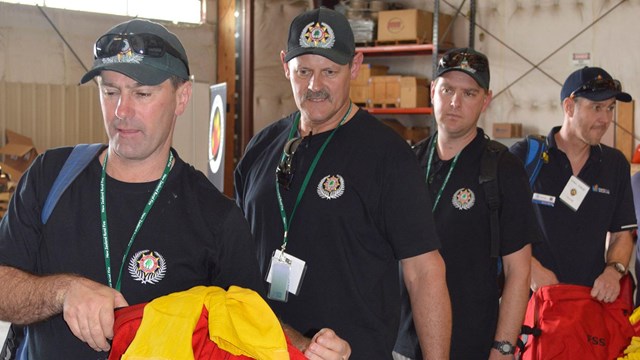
[(18, 154), (507, 130), (360, 91), (412, 25), (414, 92)]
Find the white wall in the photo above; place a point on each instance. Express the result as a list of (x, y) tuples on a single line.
[(538, 29), (32, 52)]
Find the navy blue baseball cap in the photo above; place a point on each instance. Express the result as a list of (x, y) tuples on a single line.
[(142, 50), (467, 60), (593, 83), (322, 32)]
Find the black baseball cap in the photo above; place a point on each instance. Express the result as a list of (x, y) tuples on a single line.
[(142, 50), (322, 32), (593, 83), (467, 60)]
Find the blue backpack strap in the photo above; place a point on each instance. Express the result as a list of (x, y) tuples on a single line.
[(536, 156), (80, 157)]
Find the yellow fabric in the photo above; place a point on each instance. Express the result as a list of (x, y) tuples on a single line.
[(632, 352), (240, 322)]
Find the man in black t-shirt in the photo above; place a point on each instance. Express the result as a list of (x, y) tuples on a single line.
[(342, 195), (484, 327), (136, 224)]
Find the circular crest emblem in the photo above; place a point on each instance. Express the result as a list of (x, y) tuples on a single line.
[(463, 199), (216, 134), (331, 187), (148, 267), (319, 35)]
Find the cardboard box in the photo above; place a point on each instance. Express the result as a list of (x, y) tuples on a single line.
[(507, 130), (385, 90), (414, 92), (412, 25), (18, 154), (412, 134), (367, 71), (360, 94)]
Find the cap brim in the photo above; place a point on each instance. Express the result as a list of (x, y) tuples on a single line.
[(473, 75), (605, 95), (333, 55), (142, 74)]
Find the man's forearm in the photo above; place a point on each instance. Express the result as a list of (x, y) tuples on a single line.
[(28, 298)]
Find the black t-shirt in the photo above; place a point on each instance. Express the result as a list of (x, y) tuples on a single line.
[(365, 208), (462, 219), (574, 241), (193, 235)]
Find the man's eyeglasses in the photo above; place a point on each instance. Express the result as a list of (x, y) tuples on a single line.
[(143, 44), (597, 84), (284, 172), (465, 60)]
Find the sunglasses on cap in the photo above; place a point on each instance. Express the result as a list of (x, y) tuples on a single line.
[(143, 44), (597, 84), (284, 172), (465, 60)]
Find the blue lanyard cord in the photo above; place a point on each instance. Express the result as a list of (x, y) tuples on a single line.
[(143, 216), (287, 222)]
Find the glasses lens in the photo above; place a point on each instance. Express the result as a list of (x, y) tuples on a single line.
[(598, 84), (284, 172), (465, 60), (144, 44)]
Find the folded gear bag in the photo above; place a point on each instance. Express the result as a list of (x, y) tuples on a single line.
[(201, 323), (568, 324)]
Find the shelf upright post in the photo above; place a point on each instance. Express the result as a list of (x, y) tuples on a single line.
[(472, 24)]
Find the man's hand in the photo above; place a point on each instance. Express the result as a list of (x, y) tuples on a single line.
[(326, 345), (88, 309), (606, 288)]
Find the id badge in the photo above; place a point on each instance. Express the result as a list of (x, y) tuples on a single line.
[(295, 272), (280, 272), (574, 193)]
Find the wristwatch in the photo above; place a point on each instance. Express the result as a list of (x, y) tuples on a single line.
[(618, 267), (505, 347)]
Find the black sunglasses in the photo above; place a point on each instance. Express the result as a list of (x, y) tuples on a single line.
[(284, 172), (465, 60), (597, 84), (143, 44)]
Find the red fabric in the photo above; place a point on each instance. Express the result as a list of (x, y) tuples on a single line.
[(128, 320), (575, 326)]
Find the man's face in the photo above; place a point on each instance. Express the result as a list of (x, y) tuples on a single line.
[(458, 101), (589, 120), (139, 119), (320, 86)]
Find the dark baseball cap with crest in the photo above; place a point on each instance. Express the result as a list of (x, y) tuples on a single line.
[(142, 50), (467, 60), (593, 83), (323, 32)]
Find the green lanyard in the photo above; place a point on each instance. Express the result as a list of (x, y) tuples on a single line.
[(446, 180), (286, 223), (103, 216)]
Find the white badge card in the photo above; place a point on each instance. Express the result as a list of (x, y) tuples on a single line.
[(297, 269), (543, 199), (574, 193)]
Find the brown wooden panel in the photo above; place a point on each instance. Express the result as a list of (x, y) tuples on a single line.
[(624, 138)]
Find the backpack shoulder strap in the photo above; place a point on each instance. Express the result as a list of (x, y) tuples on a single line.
[(489, 180), (536, 156), (80, 157)]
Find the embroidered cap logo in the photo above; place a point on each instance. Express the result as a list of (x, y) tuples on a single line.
[(318, 35)]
